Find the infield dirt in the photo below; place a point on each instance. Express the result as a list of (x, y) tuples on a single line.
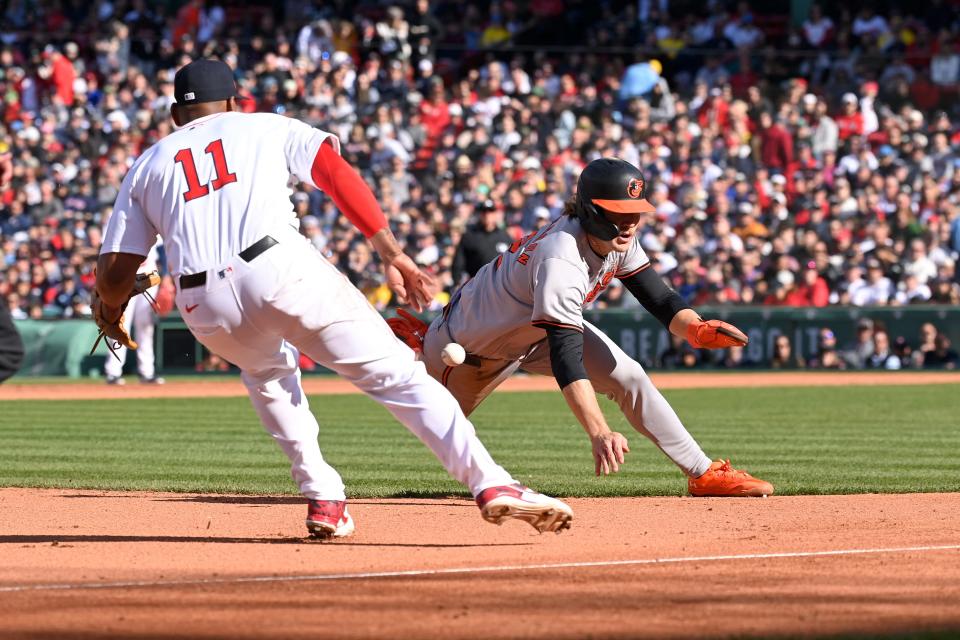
[(228, 567)]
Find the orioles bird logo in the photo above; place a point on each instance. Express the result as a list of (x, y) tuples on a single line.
[(635, 188)]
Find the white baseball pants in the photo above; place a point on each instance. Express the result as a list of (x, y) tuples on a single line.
[(259, 315), (139, 321)]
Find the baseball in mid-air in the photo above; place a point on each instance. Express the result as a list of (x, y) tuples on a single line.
[(453, 354)]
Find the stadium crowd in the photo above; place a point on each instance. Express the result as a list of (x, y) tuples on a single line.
[(802, 164)]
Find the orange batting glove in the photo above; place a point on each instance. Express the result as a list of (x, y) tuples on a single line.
[(714, 334)]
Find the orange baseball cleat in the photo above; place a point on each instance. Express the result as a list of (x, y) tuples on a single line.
[(721, 480)]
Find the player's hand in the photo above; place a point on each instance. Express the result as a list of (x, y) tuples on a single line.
[(608, 450), (109, 320), (714, 334), (412, 285)]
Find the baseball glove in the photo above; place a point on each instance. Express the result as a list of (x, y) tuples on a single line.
[(112, 328), (410, 329), (715, 334)]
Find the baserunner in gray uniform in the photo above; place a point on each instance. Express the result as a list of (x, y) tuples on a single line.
[(524, 311)]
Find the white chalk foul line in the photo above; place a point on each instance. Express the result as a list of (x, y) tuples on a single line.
[(469, 570)]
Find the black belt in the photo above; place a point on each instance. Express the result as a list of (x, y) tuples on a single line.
[(247, 255), (472, 360)]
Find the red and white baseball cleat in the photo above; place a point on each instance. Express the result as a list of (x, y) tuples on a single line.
[(329, 519), (515, 501), (722, 480)]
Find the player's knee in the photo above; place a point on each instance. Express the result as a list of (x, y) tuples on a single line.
[(386, 378), (626, 384), (256, 378)]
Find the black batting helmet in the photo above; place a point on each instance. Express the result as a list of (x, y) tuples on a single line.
[(609, 185)]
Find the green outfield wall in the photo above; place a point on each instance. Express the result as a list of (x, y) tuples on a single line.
[(62, 347)]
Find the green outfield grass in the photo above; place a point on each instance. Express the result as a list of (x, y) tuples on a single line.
[(805, 440)]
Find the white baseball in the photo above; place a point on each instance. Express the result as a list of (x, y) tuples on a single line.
[(453, 354)]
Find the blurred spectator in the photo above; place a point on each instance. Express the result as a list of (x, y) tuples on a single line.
[(928, 344), (877, 290), (912, 292), (678, 355), (827, 356), (813, 291), (943, 291), (903, 350), (481, 243), (735, 358), (857, 353), (776, 143), (783, 355), (213, 363), (883, 356), (942, 356)]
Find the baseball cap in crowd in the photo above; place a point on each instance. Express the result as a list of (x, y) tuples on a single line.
[(204, 80), (778, 178), (542, 213), (530, 163), (309, 222), (864, 324), (809, 99), (341, 58), (849, 97), (651, 243)]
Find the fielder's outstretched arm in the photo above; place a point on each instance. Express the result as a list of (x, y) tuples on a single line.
[(354, 198), (668, 307)]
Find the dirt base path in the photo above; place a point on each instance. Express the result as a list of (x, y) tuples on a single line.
[(218, 387), (139, 565)]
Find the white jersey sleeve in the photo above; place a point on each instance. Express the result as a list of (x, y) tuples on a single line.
[(559, 291), (301, 148), (129, 230), (634, 260)]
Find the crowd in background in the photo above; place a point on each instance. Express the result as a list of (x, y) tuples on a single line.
[(874, 346), (803, 162)]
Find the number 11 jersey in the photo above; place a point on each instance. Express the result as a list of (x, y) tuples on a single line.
[(213, 188)]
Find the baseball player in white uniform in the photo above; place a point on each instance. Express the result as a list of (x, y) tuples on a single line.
[(524, 311), (141, 319), (254, 291)]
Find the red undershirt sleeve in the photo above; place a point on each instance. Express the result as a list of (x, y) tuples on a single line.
[(351, 194)]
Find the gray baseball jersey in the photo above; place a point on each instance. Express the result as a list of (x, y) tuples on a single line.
[(542, 280)]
